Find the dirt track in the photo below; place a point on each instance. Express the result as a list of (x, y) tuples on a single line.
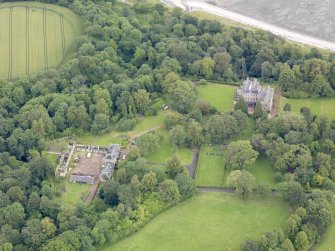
[(193, 5)]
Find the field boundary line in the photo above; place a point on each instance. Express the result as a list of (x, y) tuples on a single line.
[(10, 45), (27, 40), (45, 39)]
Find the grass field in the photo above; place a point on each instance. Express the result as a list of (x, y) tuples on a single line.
[(318, 106), (327, 242), (35, 36), (166, 150), (218, 95), (208, 221)]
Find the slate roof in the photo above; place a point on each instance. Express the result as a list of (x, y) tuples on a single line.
[(109, 162), (77, 178)]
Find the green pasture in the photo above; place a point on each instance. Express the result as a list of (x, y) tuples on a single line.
[(144, 124), (208, 221), (327, 242), (35, 36), (166, 150), (318, 106), (218, 95)]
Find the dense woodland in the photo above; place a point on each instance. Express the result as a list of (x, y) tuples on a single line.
[(129, 57)]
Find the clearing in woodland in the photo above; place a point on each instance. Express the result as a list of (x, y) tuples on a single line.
[(208, 221), (35, 36)]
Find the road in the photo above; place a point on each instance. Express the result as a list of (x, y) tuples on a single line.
[(192, 5)]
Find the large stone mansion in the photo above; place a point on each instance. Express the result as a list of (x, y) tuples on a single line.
[(253, 92)]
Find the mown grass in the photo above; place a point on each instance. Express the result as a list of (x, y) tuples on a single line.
[(165, 151), (218, 95), (211, 169), (74, 193), (208, 221), (318, 106), (35, 36), (327, 242), (58, 146)]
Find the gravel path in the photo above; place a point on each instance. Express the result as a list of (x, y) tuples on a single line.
[(193, 5)]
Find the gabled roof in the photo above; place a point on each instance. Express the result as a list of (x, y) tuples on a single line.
[(81, 178)]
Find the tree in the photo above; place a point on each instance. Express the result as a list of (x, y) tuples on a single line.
[(186, 185), (194, 134), (287, 245), (243, 181), (250, 245), (221, 127), (171, 120), (149, 182), (181, 96), (37, 232), (258, 112), (14, 215), (301, 241), (100, 123), (174, 167), (241, 105), (177, 136), (287, 107), (142, 100), (109, 193), (41, 169), (240, 155), (148, 143), (168, 191)]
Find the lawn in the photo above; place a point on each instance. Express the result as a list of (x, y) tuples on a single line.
[(246, 133), (318, 106), (35, 36), (51, 157), (328, 240), (218, 95), (166, 150), (208, 221), (58, 146), (263, 171), (144, 124), (74, 193), (210, 168)]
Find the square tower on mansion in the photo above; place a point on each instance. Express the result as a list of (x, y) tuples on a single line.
[(253, 92)]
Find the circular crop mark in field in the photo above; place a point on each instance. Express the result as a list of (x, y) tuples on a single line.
[(35, 36)]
